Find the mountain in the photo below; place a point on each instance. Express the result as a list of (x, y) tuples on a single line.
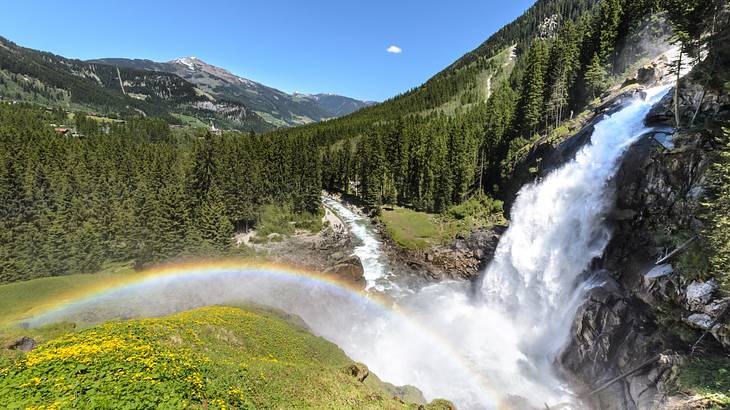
[(52, 80), (185, 91), (275, 106)]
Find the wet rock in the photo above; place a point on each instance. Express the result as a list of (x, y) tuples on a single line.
[(24, 344), (717, 308), (701, 321), (661, 114), (349, 269), (649, 74), (621, 214), (699, 294)]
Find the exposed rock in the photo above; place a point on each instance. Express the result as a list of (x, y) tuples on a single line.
[(659, 271), (349, 269), (462, 259), (700, 321), (358, 370), (24, 344), (699, 294), (717, 308)]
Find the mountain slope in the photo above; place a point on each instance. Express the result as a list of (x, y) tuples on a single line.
[(36, 76), (277, 107)]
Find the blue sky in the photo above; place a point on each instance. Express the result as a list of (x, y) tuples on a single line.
[(306, 46)]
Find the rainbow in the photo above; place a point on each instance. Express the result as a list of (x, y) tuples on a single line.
[(54, 309), (191, 270)]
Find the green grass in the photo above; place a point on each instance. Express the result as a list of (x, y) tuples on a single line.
[(707, 380), (20, 299), (411, 229), (419, 230), (215, 357), (281, 220), (190, 121)]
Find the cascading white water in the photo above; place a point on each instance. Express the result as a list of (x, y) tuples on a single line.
[(368, 248), (557, 228), (478, 352)]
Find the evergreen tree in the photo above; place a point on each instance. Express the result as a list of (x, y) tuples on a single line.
[(533, 87), (717, 211), (213, 225), (595, 76)]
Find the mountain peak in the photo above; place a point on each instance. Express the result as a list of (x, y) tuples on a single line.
[(189, 62)]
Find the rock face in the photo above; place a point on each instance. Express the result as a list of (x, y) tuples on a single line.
[(698, 294), (644, 310), (465, 258), (349, 269), (328, 251)]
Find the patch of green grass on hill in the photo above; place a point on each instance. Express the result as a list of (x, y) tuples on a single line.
[(19, 299), (214, 357), (411, 229), (419, 230), (282, 221), (707, 380)]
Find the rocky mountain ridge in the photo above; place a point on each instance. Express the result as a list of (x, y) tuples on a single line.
[(276, 107)]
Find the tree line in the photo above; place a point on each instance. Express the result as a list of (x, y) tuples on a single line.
[(135, 191), (410, 152)]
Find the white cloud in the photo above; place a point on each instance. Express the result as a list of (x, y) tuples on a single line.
[(394, 50)]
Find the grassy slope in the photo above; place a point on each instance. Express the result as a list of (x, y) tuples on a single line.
[(215, 357), (706, 381), (411, 229), (19, 299), (419, 230)]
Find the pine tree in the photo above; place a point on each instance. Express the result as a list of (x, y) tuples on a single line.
[(717, 211), (213, 225), (595, 76), (533, 88)]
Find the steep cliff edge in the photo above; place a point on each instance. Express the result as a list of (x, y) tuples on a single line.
[(647, 317)]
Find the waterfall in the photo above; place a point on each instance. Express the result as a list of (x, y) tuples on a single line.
[(511, 334), (557, 228), (494, 351)]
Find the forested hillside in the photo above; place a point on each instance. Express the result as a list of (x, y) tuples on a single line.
[(463, 130), (139, 192)]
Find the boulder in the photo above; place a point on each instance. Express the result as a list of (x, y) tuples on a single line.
[(24, 344), (358, 370), (698, 294), (349, 269), (701, 321), (648, 74)]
